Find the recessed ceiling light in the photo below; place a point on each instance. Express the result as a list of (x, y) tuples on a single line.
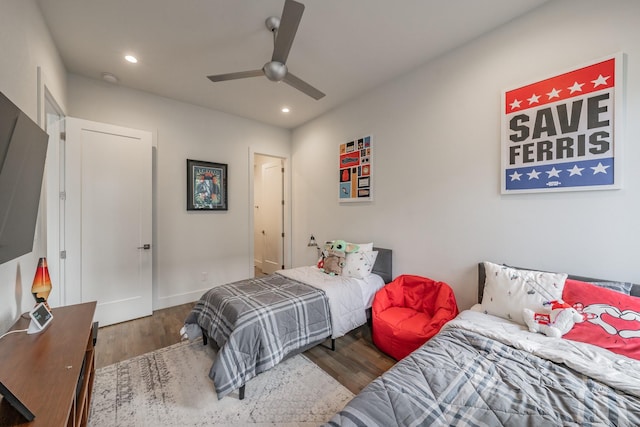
[(131, 59), (285, 109)]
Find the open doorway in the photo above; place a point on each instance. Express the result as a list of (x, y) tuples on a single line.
[(268, 224)]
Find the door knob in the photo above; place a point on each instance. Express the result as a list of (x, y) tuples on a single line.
[(145, 246)]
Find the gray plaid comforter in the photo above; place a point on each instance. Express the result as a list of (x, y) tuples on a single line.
[(256, 323), (461, 378)]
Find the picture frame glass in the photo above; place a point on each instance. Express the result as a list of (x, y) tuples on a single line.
[(206, 185)]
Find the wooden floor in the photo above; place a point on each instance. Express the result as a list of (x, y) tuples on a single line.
[(125, 340), (355, 363)]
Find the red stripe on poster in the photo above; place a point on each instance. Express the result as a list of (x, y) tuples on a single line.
[(579, 82)]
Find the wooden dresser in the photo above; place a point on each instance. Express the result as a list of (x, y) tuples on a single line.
[(52, 372)]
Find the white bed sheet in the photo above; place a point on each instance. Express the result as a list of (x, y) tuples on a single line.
[(603, 365), (348, 297)]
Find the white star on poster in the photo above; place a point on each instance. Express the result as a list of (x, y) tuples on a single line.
[(515, 176), (555, 93), (534, 174), (577, 87), (600, 81), (553, 172), (575, 170), (599, 169), (515, 104), (534, 99)]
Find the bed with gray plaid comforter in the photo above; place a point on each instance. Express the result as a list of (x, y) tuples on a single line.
[(466, 377), (256, 323)]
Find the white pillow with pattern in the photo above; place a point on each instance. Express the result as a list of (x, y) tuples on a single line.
[(359, 264), (507, 291)]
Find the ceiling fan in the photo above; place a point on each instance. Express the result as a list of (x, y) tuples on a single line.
[(284, 30)]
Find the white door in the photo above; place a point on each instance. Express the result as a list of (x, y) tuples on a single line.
[(272, 216), (108, 216)]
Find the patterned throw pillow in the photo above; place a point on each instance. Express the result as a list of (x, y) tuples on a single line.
[(359, 264), (507, 291)]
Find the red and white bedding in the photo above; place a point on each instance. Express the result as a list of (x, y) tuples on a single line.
[(612, 318)]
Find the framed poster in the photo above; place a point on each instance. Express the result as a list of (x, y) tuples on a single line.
[(206, 186), (562, 133), (355, 170)]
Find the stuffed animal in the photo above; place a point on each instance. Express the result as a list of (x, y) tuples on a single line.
[(334, 255), (333, 262), (557, 322)]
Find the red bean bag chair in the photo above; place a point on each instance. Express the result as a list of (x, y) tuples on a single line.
[(408, 311)]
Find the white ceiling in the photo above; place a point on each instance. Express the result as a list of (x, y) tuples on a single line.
[(342, 47)]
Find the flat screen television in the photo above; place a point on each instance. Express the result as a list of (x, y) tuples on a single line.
[(23, 150)]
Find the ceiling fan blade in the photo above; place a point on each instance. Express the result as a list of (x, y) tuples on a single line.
[(291, 16), (303, 86), (235, 76)]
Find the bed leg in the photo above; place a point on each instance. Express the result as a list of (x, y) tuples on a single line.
[(241, 392), (204, 338), (333, 344)]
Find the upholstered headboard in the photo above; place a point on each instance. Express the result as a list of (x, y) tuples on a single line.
[(382, 266), (635, 289)]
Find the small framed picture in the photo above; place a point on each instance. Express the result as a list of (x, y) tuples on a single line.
[(206, 186)]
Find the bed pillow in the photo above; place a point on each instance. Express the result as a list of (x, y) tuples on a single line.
[(364, 247), (360, 247), (613, 319), (507, 291), (359, 264)]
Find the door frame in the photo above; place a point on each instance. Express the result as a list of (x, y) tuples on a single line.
[(286, 162)]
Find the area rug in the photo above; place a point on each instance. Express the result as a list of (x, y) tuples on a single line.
[(171, 387)]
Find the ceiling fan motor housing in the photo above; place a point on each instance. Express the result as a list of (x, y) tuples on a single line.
[(272, 23), (275, 71)]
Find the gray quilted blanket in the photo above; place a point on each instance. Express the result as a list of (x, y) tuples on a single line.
[(256, 323), (462, 378)]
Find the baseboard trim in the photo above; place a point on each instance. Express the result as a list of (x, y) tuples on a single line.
[(178, 299)]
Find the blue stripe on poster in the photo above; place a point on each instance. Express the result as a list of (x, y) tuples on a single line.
[(570, 174)]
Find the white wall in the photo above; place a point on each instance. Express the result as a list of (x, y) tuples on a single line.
[(437, 200), (187, 243), (25, 45)]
